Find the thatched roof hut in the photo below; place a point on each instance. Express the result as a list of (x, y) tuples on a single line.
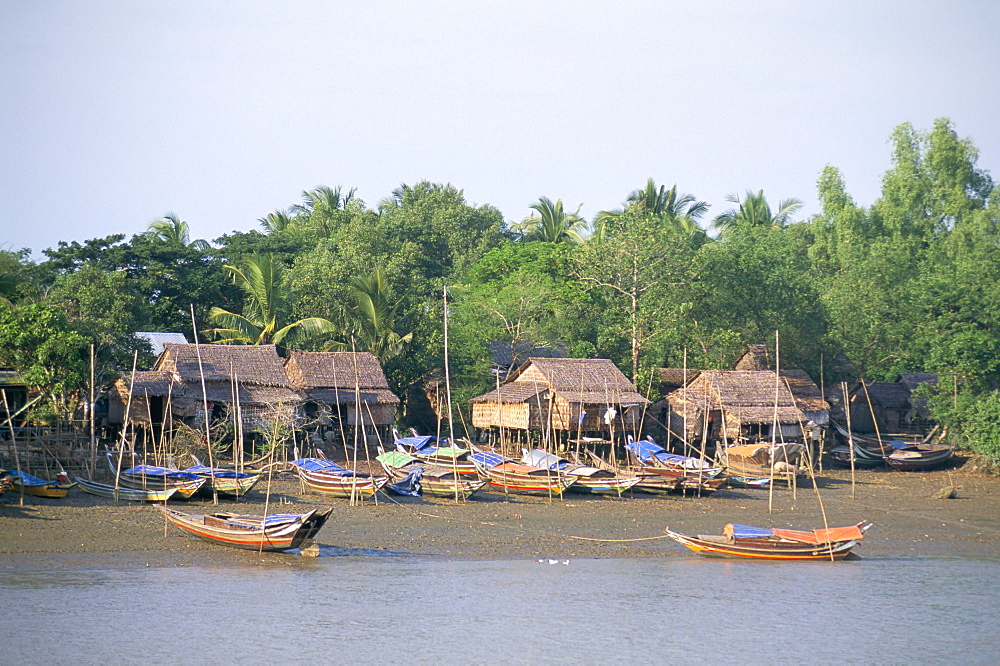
[(252, 374), (351, 382), (808, 396), (568, 394), (895, 408), (734, 405)]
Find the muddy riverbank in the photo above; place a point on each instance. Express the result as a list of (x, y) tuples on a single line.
[(910, 521)]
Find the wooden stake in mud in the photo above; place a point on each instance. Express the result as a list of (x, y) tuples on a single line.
[(204, 404), (850, 437), (13, 441)]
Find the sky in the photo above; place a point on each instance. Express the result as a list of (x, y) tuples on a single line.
[(114, 113)]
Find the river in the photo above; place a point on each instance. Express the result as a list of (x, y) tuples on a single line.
[(376, 610)]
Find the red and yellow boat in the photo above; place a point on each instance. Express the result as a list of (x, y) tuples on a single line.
[(759, 543)]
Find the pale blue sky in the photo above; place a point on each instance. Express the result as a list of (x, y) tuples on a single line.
[(115, 112)]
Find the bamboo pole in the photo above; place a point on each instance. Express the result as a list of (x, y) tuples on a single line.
[(93, 432), (850, 437), (13, 441), (774, 425), (204, 404), (871, 409)]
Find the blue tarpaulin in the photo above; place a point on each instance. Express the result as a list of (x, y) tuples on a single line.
[(410, 485), (489, 459)]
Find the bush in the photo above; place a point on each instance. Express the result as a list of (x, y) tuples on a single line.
[(979, 426)]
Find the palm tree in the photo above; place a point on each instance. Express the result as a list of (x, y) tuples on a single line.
[(172, 230), (754, 211), (324, 198), (373, 318), (553, 224), (266, 307), (276, 222), (665, 203), (680, 211)]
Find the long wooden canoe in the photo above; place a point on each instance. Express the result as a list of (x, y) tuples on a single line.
[(123, 493), (276, 532), (777, 544)]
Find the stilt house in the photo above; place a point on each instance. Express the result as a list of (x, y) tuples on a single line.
[(590, 396), (350, 385), (893, 405), (251, 375), (735, 406)]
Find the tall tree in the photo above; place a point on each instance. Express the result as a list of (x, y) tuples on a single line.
[(266, 308), (553, 224), (174, 231), (754, 211), (680, 212)]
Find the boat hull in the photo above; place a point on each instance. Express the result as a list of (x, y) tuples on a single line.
[(541, 482), (771, 548), (344, 487), (248, 533), (123, 493), (54, 490)]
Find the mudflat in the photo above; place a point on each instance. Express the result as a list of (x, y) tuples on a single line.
[(910, 520)]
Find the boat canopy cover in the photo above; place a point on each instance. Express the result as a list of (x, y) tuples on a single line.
[(25, 479), (410, 485), (317, 465), (647, 451), (216, 472), (488, 459), (443, 451), (281, 519), (418, 442), (395, 458), (543, 459), (747, 532), (153, 470)]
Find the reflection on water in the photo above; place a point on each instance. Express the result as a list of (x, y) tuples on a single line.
[(373, 610)]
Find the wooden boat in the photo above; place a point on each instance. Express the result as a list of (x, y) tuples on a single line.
[(647, 453), (434, 480), (22, 482), (776, 544), (273, 533), (778, 461), (326, 477), (224, 482), (514, 477), (152, 477), (919, 457), (434, 451), (589, 479), (123, 493), (663, 480)]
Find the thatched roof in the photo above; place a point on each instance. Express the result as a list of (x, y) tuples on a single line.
[(677, 376), (747, 396), (147, 382), (251, 364), (912, 380), (512, 393), (756, 357), (342, 370), (808, 396), (888, 394), (578, 380)]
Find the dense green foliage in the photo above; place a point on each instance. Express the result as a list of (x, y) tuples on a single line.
[(909, 284)]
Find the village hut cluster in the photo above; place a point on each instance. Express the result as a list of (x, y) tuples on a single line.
[(336, 396), (341, 402)]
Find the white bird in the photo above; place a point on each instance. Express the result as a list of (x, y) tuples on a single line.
[(553, 561)]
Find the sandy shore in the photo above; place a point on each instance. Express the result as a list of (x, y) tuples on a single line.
[(910, 521)]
